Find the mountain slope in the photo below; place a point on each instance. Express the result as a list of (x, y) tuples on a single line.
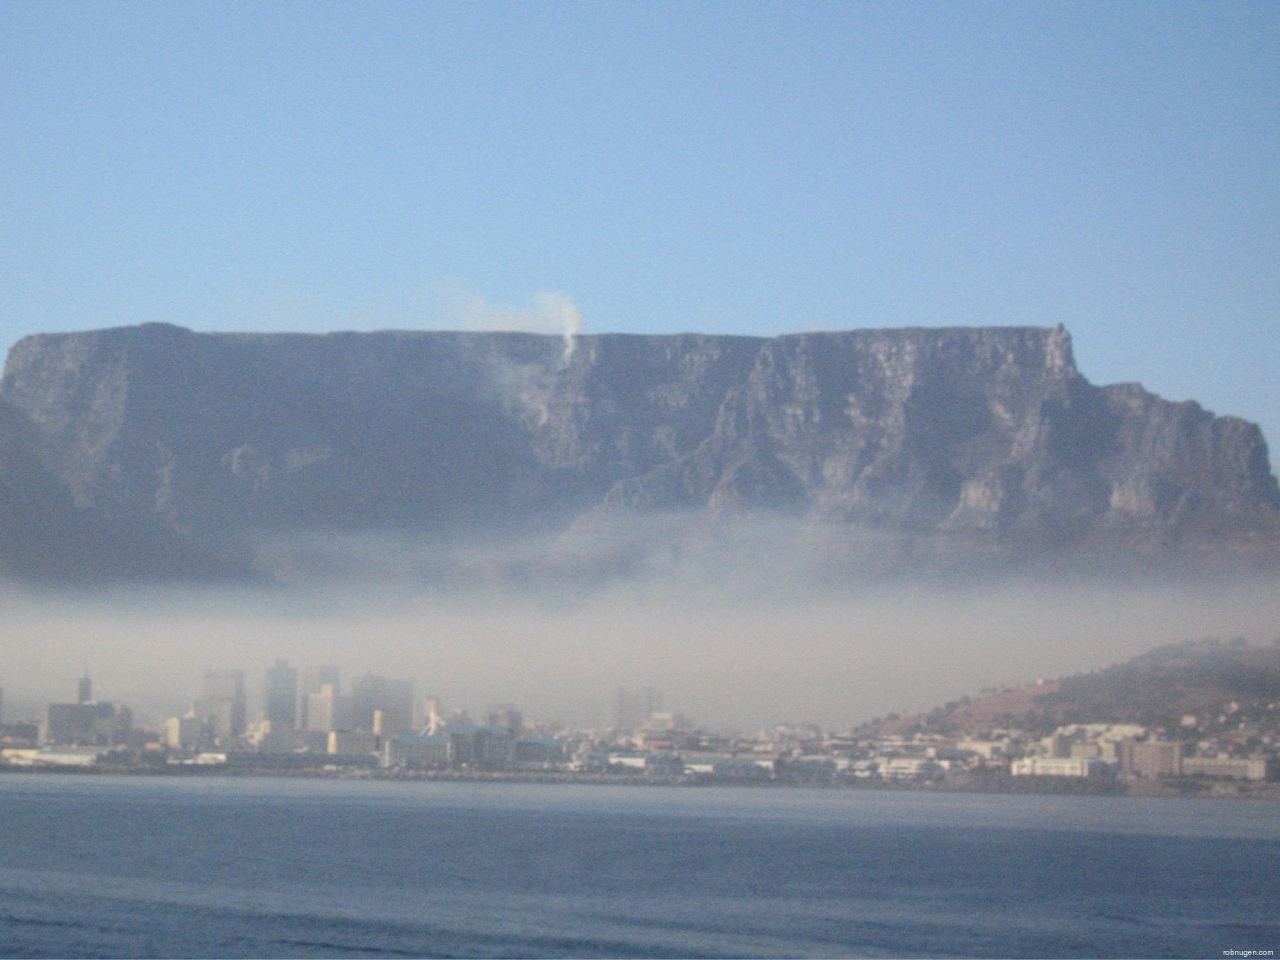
[(966, 440)]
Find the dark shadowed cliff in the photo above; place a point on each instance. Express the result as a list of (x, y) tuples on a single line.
[(153, 450)]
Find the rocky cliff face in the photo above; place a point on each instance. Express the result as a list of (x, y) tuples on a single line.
[(187, 446)]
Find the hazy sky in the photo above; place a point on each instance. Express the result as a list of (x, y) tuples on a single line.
[(721, 167)]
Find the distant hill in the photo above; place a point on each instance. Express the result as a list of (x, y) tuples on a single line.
[(154, 451), (1217, 682)]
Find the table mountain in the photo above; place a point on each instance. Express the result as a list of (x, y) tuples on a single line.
[(153, 450)]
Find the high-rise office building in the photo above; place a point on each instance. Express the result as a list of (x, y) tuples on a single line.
[(84, 690), (280, 696), (371, 693), (223, 704), (313, 680), (326, 710)]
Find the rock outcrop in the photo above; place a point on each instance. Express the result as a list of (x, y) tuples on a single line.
[(176, 449)]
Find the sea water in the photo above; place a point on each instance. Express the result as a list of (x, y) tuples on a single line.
[(94, 866)]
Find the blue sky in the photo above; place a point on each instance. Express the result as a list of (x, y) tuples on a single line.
[(734, 167)]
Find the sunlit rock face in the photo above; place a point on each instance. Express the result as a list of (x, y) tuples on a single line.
[(179, 450)]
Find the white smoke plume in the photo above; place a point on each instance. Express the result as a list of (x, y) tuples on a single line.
[(565, 312), (551, 312)]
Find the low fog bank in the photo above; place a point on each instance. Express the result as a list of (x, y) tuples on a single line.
[(727, 557), (756, 625)]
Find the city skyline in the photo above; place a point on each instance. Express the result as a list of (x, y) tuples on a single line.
[(1172, 716)]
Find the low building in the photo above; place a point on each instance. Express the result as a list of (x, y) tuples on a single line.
[(664, 765), (21, 734), (913, 768), (1060, 767), (804, 769), (352, 743), (627, 761), (534, 753), (19, 756), (728, 768), (416, 751), (1229, 768), (89, 723), (63, 756), (856, 769)]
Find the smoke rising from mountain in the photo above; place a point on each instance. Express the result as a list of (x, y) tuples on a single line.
[(550, 313)]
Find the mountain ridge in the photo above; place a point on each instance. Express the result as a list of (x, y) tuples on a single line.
[(191, 446)]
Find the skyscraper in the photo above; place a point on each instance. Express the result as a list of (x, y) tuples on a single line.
[(326, 710), (314, 679), (223, 704), (280, 696), (371, 693)]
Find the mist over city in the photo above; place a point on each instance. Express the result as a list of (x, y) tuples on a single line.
[(740, 652)]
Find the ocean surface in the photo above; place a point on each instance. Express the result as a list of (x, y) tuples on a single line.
[(94, 866)]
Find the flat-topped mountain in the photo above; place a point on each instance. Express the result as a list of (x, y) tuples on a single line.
[(154, 450)]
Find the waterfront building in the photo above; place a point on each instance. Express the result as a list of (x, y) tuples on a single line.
[(57, 756), (1061, 767), (352, 743), (416, 751), (728, 768), (664, 765), (628, 760), (539, 752), (487, 748), (913, 768), (1150, 758), (1229, 768)]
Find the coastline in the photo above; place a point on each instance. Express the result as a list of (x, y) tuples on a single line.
[(1199, 788)]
